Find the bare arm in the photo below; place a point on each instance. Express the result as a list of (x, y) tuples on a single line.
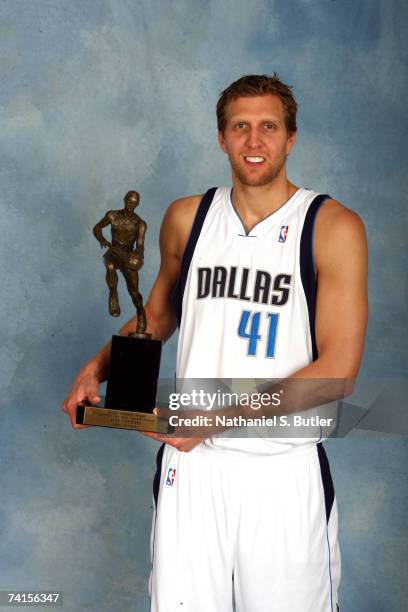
[(340, 252), (161, 320)]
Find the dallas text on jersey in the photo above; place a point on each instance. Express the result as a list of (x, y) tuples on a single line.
[(233, 283)]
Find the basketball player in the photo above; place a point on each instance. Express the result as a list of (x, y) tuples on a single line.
[(266, 280)]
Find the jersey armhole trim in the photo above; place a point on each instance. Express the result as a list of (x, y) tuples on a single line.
[(307, 265), (176, 297)]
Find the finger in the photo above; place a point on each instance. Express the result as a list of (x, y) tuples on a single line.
[(73, 417), (71, 409), (154, 436), (150, 434), (163, 413), (76, 425), (90, 396), (68, 407)]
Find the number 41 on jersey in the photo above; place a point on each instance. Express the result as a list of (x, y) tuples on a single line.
[(248, 329)]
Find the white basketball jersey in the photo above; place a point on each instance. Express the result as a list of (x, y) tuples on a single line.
[(246, 301)]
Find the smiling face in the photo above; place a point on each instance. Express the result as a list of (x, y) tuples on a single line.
[(256, 140)]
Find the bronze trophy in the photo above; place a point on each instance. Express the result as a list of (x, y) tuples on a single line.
[(135, 360)]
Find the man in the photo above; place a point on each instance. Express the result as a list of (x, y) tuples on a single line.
[(251, 524), (127, 230)]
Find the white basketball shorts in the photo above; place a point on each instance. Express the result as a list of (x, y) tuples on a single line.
[(244, 533)]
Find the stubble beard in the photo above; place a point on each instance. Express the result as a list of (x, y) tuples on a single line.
[(265, 179)]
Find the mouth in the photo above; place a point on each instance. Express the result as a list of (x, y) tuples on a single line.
[(254, 160)]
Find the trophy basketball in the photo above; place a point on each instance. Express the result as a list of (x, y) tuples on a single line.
[(135, 359)]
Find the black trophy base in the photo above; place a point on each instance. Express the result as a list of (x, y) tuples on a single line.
[(131, 388), (133, 373)]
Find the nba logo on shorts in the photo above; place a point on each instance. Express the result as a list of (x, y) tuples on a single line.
[(171, 475), (283, 233)]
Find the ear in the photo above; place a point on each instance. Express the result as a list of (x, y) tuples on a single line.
[(221, 141), (290, 142)]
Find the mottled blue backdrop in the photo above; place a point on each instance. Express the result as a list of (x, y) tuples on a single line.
[(102, 96)]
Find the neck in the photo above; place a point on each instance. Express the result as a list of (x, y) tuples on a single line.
[(255, 203)]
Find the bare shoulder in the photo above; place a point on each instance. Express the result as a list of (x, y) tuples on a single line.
[(334, 219), (183, 207), (337, 223), (178, 221), (339, 233)]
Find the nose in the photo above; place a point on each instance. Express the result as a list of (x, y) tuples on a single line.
[(253, 139)]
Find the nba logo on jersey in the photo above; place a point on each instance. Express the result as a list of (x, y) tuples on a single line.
[(171, 475), (283, 233)]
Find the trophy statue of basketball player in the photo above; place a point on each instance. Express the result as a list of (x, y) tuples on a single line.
[(125, 253), (134, 362)]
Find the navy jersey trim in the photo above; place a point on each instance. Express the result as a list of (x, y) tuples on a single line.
[(156, 490), (157, 476), (328, 491), (178, 291), (327, 481), (307, 268)]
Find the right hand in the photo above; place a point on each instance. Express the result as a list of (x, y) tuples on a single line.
[(105, 244), (84, 388)]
